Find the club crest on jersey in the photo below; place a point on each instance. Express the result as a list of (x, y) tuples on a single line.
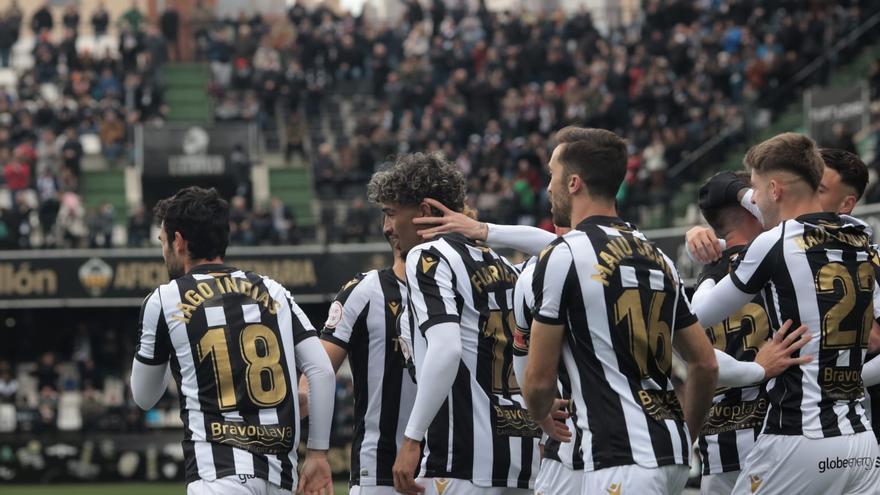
[(441, 484), (614, 489), (428, 262), (334, 316), (756, 482)]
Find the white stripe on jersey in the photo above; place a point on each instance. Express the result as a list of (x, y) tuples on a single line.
[(285, 318), (594, 296)]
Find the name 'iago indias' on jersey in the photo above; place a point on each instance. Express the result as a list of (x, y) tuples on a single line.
[(483, 432), (620, 300), (228, 336)]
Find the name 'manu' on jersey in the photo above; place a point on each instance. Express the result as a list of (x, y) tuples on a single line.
[(620, 300)]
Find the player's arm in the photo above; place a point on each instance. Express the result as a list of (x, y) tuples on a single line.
[(774, 357), (871, 372), (530, 240), (150, 373), (432, 301), (314, 363), (693, 346), (551, 281)]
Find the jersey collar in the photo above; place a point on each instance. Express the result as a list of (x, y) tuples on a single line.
[(606, 221), (210, 268)]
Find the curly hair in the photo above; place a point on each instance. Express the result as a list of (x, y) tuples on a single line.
[(416, 176)]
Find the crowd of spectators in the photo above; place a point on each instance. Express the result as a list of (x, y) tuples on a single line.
[(490, 88), (70, 98)]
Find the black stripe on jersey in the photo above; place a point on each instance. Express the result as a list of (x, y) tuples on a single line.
[(610, 444), (526, 454), (729, 457), (463, 426), (704, 449), (787, 418), (392, 380), (360, 367)]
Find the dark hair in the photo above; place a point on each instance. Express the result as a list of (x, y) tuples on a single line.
[(202, 218), (853, 171), (789, 152), (597, 156), (724, 218), (416, 176)]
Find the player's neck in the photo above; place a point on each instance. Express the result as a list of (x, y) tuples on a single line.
[(735, 238), (796, 207), (399, 268), (188, 264), (583, 208)]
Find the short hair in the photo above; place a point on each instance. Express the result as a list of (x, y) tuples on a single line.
[(416, 176), (202, 218), (597, 156), (723, 218), (788, 152), (853, 171)]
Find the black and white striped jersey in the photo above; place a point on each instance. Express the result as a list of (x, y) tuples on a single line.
[(620, 300), (483, 432), (818, 272), (363, 320), (568, 453), (737, 414), (230, 338)]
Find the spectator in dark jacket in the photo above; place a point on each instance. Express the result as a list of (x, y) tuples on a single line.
[(42, 19)]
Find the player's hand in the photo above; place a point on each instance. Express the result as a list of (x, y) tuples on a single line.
[(775, 355), (451, 221), (554, 424), (315, 478), (703, 245), (405, 468)]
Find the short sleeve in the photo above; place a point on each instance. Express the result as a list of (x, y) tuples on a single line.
[(431, 282), (154, 343), (302, 327), (550, 282), (754, 267), (684, 314), (344, 312), (522, 310)]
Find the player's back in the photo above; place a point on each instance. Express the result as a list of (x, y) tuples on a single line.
[(494, 443), (622, 300), (818, 270), (231, 336)]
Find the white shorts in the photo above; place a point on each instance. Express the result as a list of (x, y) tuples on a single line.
[(718, 484), (555, 477), (450, 486), (636, 480), (782, 464), (372, 490), (235, 485)]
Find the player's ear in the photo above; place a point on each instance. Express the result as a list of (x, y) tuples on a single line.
[(849, 202), (575, 183), (425, 210), (178, 243)]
